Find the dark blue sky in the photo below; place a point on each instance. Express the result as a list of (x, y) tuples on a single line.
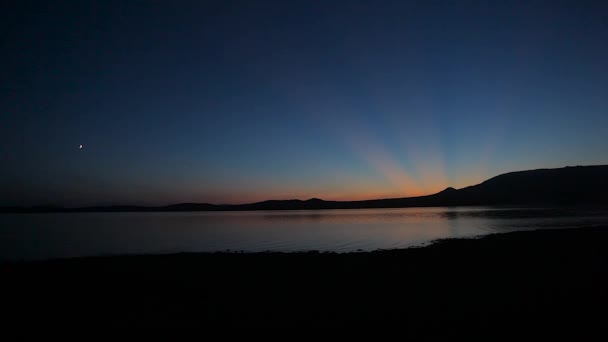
[(229, 102)]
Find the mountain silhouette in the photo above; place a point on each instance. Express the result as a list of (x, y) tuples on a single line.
[(577, 185)]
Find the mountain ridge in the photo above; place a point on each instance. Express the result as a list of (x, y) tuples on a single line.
[(566, 185)]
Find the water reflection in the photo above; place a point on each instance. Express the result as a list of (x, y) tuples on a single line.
[(294, 217), (40, 236)]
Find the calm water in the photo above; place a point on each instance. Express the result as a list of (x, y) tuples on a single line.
[(41, 236)]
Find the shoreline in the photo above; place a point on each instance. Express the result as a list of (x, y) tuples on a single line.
[(552, 275), (152, 210), (398, 250)]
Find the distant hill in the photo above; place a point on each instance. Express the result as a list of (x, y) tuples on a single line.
[(577, 185), (568, 185)]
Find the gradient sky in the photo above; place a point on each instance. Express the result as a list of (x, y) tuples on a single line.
[(232, 102)]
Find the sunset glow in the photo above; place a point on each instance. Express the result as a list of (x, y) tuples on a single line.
[(324, 102)]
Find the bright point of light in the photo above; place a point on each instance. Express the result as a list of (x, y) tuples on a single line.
[(80, 146)]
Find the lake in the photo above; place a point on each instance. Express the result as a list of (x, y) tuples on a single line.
[(60, 235)]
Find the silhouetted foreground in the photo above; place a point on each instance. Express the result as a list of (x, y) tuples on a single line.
[(544, 279), (578, 185)]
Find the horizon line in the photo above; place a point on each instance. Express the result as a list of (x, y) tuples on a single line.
[(54, 206)]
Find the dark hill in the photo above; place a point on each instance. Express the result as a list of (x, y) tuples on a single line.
[(568, 185)]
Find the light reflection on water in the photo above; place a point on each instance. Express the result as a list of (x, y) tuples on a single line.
[(41, 236)]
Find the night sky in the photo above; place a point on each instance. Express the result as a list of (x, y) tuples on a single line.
[(233, 102)]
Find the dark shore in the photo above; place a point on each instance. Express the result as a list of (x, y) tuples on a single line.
[(546, 278)]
